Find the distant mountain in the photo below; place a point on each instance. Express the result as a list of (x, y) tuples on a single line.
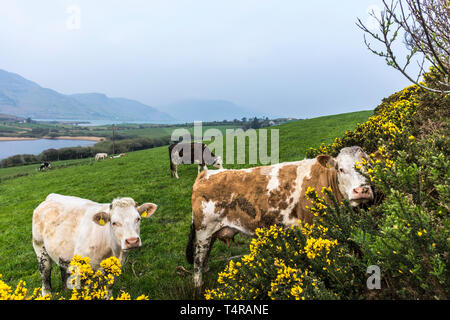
[(120, 108), (8, 117), (207, 110), (24, 98)]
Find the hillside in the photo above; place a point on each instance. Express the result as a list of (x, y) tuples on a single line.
[(145, 176), (25, 98)]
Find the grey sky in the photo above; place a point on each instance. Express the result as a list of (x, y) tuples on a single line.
[(292, 58)]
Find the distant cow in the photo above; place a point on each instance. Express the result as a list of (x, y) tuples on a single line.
[(225, 202), (118, 156), (45, 165), (64, 226), (100, 156), (199, 153)]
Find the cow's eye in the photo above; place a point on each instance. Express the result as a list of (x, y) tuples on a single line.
[(116, 224), (138, 219), (342, 170)]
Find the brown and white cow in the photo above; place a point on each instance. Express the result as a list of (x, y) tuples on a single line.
[(225, 202), (64, 226)]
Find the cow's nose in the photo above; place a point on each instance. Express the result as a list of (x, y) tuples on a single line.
[(361, 192), (132, 242)]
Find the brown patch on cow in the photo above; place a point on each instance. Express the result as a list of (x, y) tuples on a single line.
[(270, 218), (287, 176), (237, 194), (242, 195), (241, 203), (320, 176), (295, 212)]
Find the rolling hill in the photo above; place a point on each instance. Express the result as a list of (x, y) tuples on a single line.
[(25, 98)]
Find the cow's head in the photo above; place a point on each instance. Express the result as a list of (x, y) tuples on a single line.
[(352, 185), (124, 219), (218, 162)]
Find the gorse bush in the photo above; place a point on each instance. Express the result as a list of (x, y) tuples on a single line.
[(309, 261), (405, 233), (389, 125), (283, 263), (87, 284), (411, 239)]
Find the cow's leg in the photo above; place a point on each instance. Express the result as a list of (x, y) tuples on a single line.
[(206, 260), (204, 240), (202, 247), (172, 168), (65, 273), (45, 268), (64, 276), (176, 172)]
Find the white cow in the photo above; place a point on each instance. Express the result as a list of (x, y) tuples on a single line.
[(64, 226), (100, 156)]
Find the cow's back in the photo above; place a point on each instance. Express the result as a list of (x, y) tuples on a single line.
[(251, 198), (57, 221), (196, 153)]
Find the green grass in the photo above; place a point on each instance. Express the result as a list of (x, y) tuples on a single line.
[(19, 171), (144, 176)]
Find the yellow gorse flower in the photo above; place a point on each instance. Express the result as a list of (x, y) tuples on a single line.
[(93, 285)]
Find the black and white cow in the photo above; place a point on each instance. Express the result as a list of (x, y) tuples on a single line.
[(190, 153), (45, 165)]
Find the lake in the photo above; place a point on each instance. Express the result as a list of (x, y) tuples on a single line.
[(11, 148)]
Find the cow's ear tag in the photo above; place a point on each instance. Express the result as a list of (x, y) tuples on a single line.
[(147, 209), (101, 218)]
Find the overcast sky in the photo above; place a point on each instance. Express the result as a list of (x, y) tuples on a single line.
[(282, 57)]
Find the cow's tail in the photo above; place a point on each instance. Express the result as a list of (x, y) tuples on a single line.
[(190, 245)]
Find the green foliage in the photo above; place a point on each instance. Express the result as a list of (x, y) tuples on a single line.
[(405, 232), (411, 240)]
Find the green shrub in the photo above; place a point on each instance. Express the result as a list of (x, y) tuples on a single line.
[(405, 232)]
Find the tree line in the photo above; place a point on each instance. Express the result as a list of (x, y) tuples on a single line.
[(70, 153)]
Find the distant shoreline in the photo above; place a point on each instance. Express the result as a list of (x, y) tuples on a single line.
[(87, 138)]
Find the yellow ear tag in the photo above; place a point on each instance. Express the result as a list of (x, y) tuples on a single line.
[(101, 222), (144, 214)]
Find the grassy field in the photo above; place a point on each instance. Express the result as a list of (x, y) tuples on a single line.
[(144, 176)]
